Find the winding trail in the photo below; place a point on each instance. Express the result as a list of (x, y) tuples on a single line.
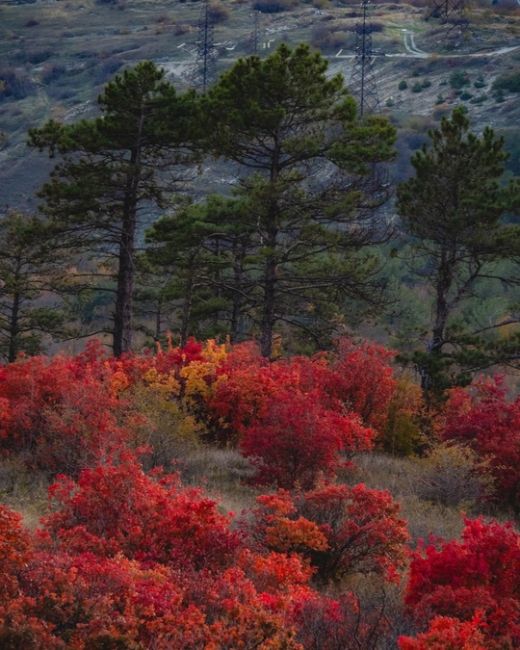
[(414, 52)]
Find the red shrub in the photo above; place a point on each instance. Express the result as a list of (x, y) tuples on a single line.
[(87, 602), (67, 413), (340, 529), (482, 417), (185, 581), (362, 379), (356, 378), (296, 440), (478, 574), (296, 417), (60, 412), (447, 634), (341, 623), (120, 509), (14, 552)]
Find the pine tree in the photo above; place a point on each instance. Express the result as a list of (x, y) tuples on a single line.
[(203, 247), (112, 169), (306, 171), (28, 266), (454, 210)]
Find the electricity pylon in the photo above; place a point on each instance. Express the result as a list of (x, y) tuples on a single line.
[(363, 81), (206, 69)]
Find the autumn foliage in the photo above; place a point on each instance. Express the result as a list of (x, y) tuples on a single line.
[(487, 421), (447, 633), (132, 560), (14, 552), (341, 530), (118, 509), (129, 557), (299, 419), (477, 575)]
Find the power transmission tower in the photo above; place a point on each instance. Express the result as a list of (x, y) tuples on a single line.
[(363, 82), (206, 69), (453, 14), (255, 35)]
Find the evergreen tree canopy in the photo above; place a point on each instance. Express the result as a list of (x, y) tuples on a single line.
[(112, 169), (455, 209), (28, 265), (307, 173)]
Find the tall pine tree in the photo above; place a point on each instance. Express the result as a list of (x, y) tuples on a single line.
[(306, 166), (112, 170), (29, 309), (454, 210)]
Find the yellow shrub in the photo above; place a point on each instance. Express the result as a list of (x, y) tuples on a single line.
[(402, 435)]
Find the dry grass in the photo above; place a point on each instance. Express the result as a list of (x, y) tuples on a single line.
[(401, 477), (222, 473), (23, 490)]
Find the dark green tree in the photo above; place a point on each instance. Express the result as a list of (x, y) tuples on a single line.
[(155, 303), (454, 209), (201, 252), (113, 169), (306, 166), (28, 268)]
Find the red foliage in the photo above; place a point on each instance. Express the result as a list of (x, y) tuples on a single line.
[(340, 529), (477, 574), (325, 623), (297, 417), (61, 410), (70, 412), (297, 440), (83, 602), (483, 418), (356, 378), (14, 551), (447, 634), (115, 509), (131, 562), (361, 378)]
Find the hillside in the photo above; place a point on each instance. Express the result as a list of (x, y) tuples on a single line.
[(259, 325), (56, 56)]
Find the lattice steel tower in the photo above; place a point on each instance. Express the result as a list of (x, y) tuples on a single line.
[(255, 34), (206, 69), (452, 13), (363, 82)]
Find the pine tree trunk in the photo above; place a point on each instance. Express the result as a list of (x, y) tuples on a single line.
[(14, 318), (239, 251), (268, 312), (125, 289), (187, 305), (123, 317), (442, 287), (14, 330), (270, 279), (158, 319)]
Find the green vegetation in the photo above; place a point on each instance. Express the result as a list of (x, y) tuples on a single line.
[(454, 209), (509, 82), (110, 170), (459, 79)]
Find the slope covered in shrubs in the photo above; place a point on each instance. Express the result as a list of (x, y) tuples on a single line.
[(128, 556)]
